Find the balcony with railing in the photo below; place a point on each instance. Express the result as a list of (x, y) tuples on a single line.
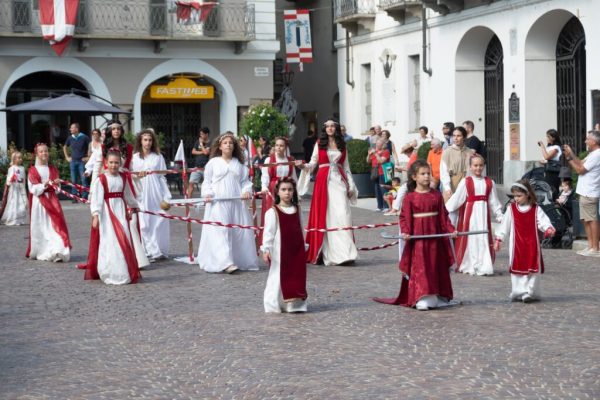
[(138, 19), (400, 10), (349, 13)]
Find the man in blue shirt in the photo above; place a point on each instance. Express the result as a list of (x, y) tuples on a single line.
[(79, 144)]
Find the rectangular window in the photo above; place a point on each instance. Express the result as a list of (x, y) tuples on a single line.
[(414, 93)]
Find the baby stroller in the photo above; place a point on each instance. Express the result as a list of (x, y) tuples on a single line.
[(559, 215)]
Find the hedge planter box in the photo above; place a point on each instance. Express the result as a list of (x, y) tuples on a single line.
[(364, 184)]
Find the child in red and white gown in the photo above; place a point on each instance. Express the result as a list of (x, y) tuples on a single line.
[(477, 201), (111, 195), (521, 224), (425, 263), (15, 206), (48, 233), (285, 252)]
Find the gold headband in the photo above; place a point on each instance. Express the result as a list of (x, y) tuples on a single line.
[(520, 186), (225, 135)]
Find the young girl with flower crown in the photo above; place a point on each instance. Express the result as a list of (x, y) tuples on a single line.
[(15, 206), (48, 233), (521, 224)]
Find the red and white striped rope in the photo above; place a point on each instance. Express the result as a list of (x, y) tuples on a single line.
[(351, 228), (202, 222), (382, 246), (76, 186), (69, 195)]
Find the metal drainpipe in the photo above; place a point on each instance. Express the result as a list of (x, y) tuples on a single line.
[(428, 71), (348, 80)]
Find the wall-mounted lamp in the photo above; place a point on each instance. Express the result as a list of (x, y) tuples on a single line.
[(387, 59)]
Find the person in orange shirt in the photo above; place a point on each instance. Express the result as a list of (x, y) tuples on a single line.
[(433, 159)]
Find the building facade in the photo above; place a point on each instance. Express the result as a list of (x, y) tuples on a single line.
[(516, 68), (315, 88), (175, 69)]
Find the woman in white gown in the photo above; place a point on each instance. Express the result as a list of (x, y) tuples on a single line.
[(15, 211), (475, 253), (154, 190), (225, 176), (48, 233), (111, 195), (333, 193)]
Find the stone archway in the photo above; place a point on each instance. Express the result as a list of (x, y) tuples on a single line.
[(67, 66)]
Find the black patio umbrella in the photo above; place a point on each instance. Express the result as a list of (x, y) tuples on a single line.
[(68, 103)]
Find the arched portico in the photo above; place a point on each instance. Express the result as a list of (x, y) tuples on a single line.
[(228, 100), (68, 66)]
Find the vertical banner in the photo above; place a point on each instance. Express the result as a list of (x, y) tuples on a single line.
[(298, 45), (57, 20)]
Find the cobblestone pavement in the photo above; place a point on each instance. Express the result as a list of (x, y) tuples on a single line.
[(183, 333)]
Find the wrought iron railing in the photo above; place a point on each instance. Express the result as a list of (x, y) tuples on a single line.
[(137, 19), (384, 4), (348, 8)]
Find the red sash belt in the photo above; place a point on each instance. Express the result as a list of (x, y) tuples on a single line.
[(113, 195), (477, 198)]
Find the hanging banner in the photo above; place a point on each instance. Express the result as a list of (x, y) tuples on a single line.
[(298, 45), (57, 20)]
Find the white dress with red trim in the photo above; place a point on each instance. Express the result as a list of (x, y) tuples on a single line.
[(222, 247), (333, 193), (15, 212), (116, 257), (154, 189), (49, 236), (521, 224), (474, 253)]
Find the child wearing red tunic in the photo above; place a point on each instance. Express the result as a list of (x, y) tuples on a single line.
[(425, 263), (48, 233), (271, 174), (284, 251), (521, 223)]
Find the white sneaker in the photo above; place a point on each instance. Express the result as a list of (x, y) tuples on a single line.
[(527, 298), (231, 269), (592, 253), (584, 251)]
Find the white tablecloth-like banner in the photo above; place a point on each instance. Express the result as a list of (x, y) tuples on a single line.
[(298, 44)]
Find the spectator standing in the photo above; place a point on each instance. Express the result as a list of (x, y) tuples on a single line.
[(434, 159), (588, 189), (447, 130), (347, 137), (551, 153), (377, 157), (473, 141), (201, 153), (309, 145), (389, 145), (455, 163), (79, 144), (423, 136)]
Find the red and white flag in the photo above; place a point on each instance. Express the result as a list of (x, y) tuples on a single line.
[(58, 19), (298, 44)]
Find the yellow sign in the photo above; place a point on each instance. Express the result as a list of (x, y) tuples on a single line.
[(181, 89)]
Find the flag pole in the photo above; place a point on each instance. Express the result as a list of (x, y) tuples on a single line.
[(187, 209)]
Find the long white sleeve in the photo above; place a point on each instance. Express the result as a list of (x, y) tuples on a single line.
[(265, 179), (444, 176), (304, 179), (128, 196), (36, 189), (458, 198), (504, 230), (543, 222), (353, 191), (494, 204), (245, 183), (270, 230), (97, 199), (207, 189)]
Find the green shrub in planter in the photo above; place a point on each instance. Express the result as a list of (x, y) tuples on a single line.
[(357, 151), (264, 120), (423, 151)]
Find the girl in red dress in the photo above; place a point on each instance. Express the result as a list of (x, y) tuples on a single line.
[(521, 223), (425, 263), (284, 251)]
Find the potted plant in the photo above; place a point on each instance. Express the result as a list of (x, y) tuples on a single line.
[(357, 151)]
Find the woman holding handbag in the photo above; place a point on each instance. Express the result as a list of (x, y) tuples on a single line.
[(552, 155), (377, 157)]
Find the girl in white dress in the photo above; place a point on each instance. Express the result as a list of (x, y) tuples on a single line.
[(117, 264), (333, 193), (522, 222), (477, 200), (15, 210), (153, 190), (283, 250), (48, 233), (225, 176)]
